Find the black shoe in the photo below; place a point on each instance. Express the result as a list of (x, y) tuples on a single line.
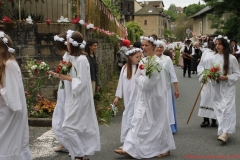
[(189, 77), (183, 74), (193, 72), (204, 124), (214, 123)]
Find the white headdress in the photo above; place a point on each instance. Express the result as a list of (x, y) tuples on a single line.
[(220, 36), (57, 38), (161, 43), (151, 39), (132, 51), (5, 41), (74, 43)]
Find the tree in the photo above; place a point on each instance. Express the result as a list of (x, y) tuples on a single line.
[(192, 9), (113, 6), (172, 8), (230, 27), (134, 31), (172, 14), (167, 33), (182, 24)]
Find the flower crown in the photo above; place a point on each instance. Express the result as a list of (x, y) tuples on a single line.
[(161, 43), (5, 41), (74, 43), (151, 39), (132, 51), (57, 38), (220, 36)]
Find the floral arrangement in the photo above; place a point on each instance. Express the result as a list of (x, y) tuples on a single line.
[(211, 74), (150, 66), (36, 67), (45, 105), (64, 68)]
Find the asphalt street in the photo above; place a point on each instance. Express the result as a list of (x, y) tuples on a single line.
[(192, 141)]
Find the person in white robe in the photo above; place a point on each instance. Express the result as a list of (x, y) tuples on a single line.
[(206, 107), (14, 131), (224, 93), (80, 127), (150, 133), (128, 90), (171, 77), (58, 114)]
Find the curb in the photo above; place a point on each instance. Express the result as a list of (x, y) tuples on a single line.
[(40, 122)]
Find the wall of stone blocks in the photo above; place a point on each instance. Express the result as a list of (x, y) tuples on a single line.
[(36, 41)]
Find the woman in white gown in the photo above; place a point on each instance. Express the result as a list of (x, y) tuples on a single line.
[(150, 133), (224, 93), (127, 89), (171, 77), (80, 127), (14, 132), (58, 114), (206, 107)]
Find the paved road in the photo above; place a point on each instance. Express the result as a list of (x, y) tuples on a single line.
[(192, 141)]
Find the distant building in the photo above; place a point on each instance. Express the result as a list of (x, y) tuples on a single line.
[(179, 10), (126, 10), (152, 19)]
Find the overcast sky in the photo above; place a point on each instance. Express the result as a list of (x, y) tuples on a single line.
[(178, 3)]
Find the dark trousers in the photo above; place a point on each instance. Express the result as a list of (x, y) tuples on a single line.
[(187, 66)]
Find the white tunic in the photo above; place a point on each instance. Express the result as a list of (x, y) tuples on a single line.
[(127, 89), (58, 114), (170, 77), (14, 133), (206, 106), (224, 95), (80, 127), (150, 133)]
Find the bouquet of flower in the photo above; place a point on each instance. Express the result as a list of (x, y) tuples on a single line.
[(64, 68), (114, 110), (211, 74), (150, 66), (36, 67)]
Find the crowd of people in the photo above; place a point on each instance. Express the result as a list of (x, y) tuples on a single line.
[(147, 83)]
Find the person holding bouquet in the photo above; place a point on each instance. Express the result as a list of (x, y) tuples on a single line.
[(150, 133), (171, 77), (58, 114), (206, 107), (127, 89), (80, 127), (225, 91), (14, 132)]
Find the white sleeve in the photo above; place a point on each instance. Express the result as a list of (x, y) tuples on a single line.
[(119, 91), (233, 78), (13, 87), (172, 73), (238, 52)]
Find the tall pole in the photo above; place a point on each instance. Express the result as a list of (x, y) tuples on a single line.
[(19, 11)]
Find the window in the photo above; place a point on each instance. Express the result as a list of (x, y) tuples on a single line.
[(206, 23), (200, 28), (121, 6), (145, 22)]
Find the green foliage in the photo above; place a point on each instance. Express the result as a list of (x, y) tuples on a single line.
[(229, 27), (134, 31), (192, 9), (167, 33), (113, 7), (172, 14), (182, 24)]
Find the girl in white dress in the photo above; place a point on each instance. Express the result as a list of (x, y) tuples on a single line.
[(171, 77), (150, 133), (58, 114), (80, 127), (127, 89), (14, 132), (206, 107), (224, 93)]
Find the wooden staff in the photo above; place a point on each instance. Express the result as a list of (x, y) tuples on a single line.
[(195, 103)]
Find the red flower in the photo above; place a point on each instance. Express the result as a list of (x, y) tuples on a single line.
[(64, 62), (38, 62), (35, 70), (209, 76), (212, 70), (6, 19), (48, 21), (217, 69), (141, 66), (58, 69), (75, 20)]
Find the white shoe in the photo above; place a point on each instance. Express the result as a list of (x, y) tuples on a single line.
[(121, 147), (223, 137)]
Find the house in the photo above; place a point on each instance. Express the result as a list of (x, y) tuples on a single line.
[(201, 24), (152, 20), (126, 11), (179, 10)]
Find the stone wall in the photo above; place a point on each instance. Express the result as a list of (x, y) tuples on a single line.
[(36, 41)]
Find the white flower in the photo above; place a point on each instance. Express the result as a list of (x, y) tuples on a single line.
[(225, 37), (82, 46), (1, 34), (5, 40), (220, 36), (74, 43), (65, 20), (81, 22), (64, 68), (70, 40), (29, 20), (43, 63), (11, 50), (65, 43), (33, 67)]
